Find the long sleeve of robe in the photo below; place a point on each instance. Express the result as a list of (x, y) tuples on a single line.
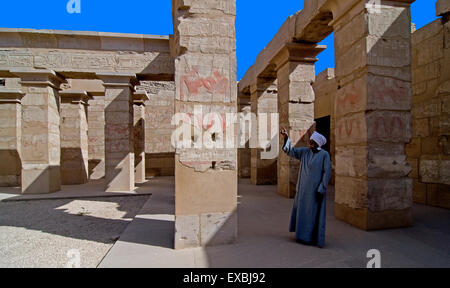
[(309, 212)]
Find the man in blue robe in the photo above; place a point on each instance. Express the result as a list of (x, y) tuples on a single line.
[(309, 211)]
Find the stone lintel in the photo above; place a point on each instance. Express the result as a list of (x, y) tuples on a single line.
[(11, 95), (139, 97), (340, 8), (39, 77), (75, 97), (295, 52), (112, 79)]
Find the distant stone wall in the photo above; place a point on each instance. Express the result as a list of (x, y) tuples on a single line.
[(429, 151), (160, 155), (325, 88)]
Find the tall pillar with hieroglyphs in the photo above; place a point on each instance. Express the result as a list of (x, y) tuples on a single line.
[(74, 137), (204, 47), (295, 73), (119, 135), (41, 145), (373, 114)]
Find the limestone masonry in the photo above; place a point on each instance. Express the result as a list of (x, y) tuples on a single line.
[(83, 106)]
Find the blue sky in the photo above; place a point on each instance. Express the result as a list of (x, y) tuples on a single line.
[(256, 23)]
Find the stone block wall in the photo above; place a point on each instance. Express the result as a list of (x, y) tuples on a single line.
[(159, 110), (325, 88), (429, 151)]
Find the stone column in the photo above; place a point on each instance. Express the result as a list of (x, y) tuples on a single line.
[(41, 148), (205, 78), (10, 136), (263, 98), (244, 152), (295, 73), (373, 114), (74, 137), (139, 135), (96, 134), (119, 136)]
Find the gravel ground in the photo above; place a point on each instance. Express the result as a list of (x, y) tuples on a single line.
[(63, 233)]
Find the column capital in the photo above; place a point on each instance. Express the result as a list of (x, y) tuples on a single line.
[(297, 52), (41, 77), (139, 97), (11, 95), (75, 97), (111, 79), (263, 84), (340, 8)]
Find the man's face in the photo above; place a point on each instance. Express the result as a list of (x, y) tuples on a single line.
[(313, 145)]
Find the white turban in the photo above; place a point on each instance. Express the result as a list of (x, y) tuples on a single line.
[(319, 139)]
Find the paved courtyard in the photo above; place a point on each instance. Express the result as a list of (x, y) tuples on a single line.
[(53, 231), (39, 233), (265, 242)]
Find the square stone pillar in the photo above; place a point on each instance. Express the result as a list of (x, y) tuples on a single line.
[(244, 152), (263, 98), (119, 135), (96, 134), (204, 47), (41, 147), (139, 135), (295, 73), (74, 137), (373, 114), (10, 136)]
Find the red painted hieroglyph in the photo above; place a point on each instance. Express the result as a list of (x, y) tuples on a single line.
[(192, 82)]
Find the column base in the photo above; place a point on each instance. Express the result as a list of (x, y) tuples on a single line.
[(139, 170), (38, 180), (368, 220), (120, 174), (96, 169), (210, 229)]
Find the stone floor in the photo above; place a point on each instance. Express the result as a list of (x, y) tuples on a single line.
[(265, 242), (55, 233), (39, 233)]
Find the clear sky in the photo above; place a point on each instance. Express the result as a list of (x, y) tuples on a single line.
[(256, 23)]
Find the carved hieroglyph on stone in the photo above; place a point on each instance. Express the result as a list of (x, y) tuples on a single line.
[(41, 147), (84, 53), (205, 80)]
